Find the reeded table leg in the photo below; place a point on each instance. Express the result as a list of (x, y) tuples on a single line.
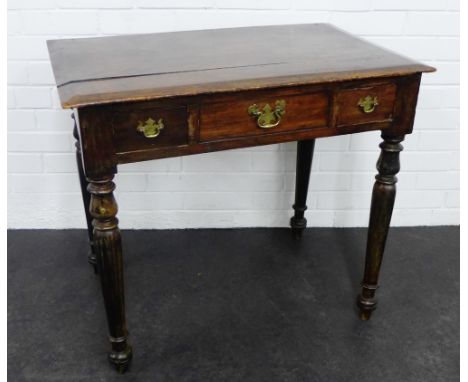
[(107, 244), (305, 152), (85, 195), (383, 198)]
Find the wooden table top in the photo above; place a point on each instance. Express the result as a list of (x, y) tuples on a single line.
[(151, 66)]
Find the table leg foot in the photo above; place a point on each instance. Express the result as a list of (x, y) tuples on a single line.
[(92, 262), (92, 258), (121, 359), (365, 315), (298, 225), (366, 306)]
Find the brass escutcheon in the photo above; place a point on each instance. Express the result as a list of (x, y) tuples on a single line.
[(268, 118), (150, 128), (368, 103)]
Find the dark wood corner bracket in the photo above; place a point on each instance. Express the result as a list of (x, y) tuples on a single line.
[(179, 97)]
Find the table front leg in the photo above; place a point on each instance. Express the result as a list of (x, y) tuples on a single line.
[(108, 247), (85, 195), (383, 198)]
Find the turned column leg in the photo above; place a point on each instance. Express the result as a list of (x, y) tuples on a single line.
[(383, 198), (305, 152), (85, 195), (108, 248)]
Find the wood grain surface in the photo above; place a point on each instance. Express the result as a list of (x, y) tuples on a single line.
[(228, 117)]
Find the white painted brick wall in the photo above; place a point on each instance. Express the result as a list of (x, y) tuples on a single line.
[(238, 188)]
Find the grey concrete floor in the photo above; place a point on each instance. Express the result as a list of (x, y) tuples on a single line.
[(237, 305)]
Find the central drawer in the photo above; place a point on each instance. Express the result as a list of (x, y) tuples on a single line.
[(259, 113)]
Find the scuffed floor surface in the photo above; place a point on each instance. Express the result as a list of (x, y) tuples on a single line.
[(237, 305)]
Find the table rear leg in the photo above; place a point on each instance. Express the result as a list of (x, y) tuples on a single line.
[(305, 152), (86, 197)]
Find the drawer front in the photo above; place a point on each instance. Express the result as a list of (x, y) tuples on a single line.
[(365, 104), (256, 114), (146, 126)]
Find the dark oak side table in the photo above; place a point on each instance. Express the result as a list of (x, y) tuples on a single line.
[(150, 96)]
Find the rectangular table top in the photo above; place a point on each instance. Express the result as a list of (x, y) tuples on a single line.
[(151, 66)]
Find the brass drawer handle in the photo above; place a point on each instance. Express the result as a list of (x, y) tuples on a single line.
[(150, 128), (368, 103), (268, 118)]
